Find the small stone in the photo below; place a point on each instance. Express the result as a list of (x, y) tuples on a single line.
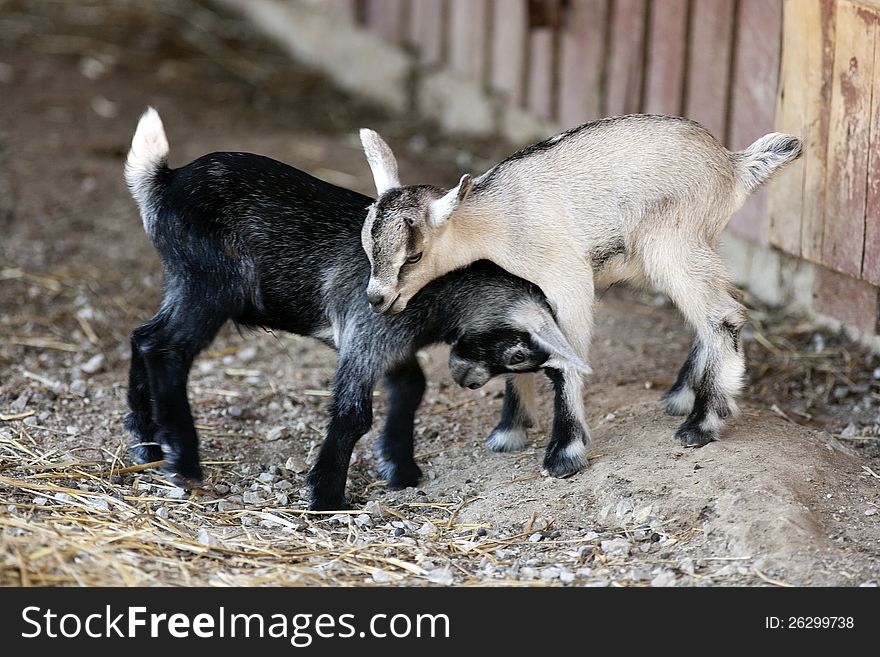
[(99, 503), (40, 501), (221, 489), (276, 432), (642, 515), (206, 539), (381, 577), (482, 531), (536, 537), (21, 401), (665, 578), (252, 497), (72, 430), (849, 431), (655, 537), (617, 547), (566, 576), (79, 387), (246, 354), (373, 508), (363, 520), (877, 373), (442, 576), (162, 512), (175, 493), (549, 573), (296, 464), (93, 364), (282, 485), (267, 478), (871, 512), (226, 505), (399, 531), (282, 499), (427, 529), (686, 565)]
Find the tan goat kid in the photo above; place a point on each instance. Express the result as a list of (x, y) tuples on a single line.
[(641, 198)]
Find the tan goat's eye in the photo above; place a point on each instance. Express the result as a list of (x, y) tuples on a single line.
[(414, 258)]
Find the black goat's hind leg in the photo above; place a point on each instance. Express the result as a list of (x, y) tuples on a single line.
[(139, 420), (406, 385), (168, 352)]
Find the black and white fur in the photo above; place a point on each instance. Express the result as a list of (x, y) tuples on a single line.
[(246, 238)]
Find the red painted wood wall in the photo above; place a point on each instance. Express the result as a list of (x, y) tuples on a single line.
[(720, 62)]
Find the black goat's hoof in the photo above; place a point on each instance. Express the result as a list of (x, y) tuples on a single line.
[(146, 452), (337, 504), (401, 475), (567, 461), (692, 436), (144, 448), (184, 474)]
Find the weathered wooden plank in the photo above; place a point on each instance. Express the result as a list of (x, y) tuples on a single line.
[(510, 35), (467, 27), (625, 61), (849, 139), (871, 256), (426, 30), (385, 18), (753, 99), (582, 45), (541, 71), (801, 34), (711, 45), (846, 299), (818, 82), (665, 65)]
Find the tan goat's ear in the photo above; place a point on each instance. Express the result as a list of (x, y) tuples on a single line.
[(381, 159), (441, 210)]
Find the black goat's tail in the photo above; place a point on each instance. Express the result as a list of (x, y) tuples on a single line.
[(147, 157)]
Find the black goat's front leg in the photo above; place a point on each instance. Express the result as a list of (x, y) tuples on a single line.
[(509, 434), (395, 450), (351, 415), (566, 452)]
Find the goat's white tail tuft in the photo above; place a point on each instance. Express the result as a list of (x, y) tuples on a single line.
[(148, 154), (756, 164)]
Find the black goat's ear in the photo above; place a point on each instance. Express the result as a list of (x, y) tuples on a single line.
[(549, 338)]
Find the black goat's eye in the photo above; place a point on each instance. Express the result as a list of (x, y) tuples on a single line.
[(414, 258), (517, 358)]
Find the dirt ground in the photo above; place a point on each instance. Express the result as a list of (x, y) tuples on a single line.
[(789, 496)]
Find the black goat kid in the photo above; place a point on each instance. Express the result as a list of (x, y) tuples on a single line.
[(249, 239)]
